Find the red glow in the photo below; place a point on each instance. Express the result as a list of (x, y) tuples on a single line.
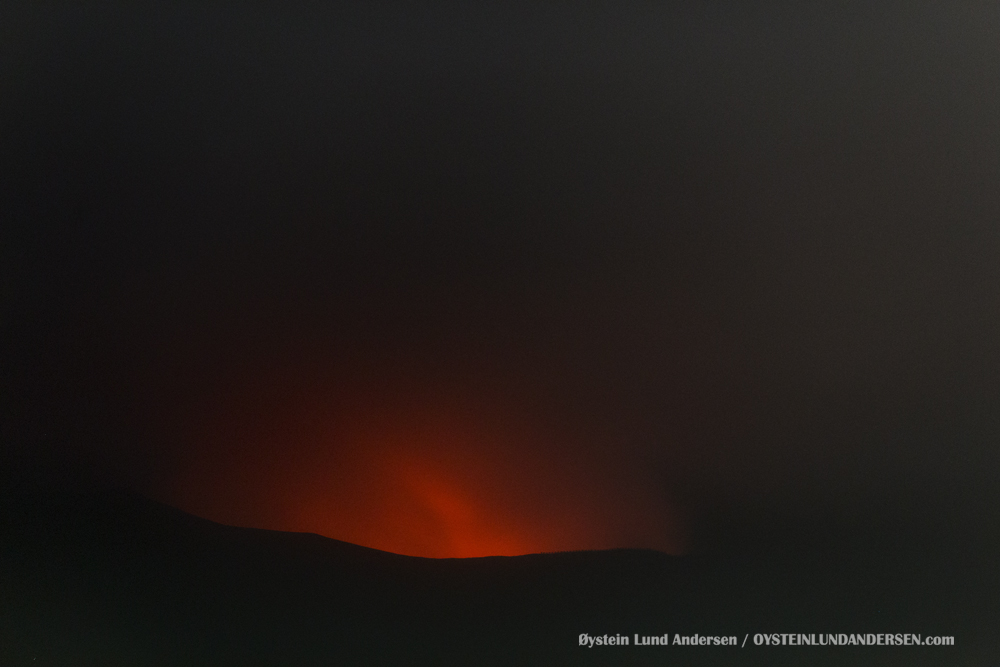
[(420, 506), (427, 478), (466, 527)]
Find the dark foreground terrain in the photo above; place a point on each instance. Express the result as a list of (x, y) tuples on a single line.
[(109, 578)]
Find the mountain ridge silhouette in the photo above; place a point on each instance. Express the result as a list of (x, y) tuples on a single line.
[(107, 577)]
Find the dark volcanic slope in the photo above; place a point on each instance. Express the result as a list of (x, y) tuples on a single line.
[(110, 578)]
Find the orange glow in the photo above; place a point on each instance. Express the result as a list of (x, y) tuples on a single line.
[(433, 477)]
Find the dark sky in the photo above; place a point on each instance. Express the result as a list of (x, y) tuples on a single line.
[(630, 274)]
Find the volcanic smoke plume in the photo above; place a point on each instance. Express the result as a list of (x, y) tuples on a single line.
[(431, 476)]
